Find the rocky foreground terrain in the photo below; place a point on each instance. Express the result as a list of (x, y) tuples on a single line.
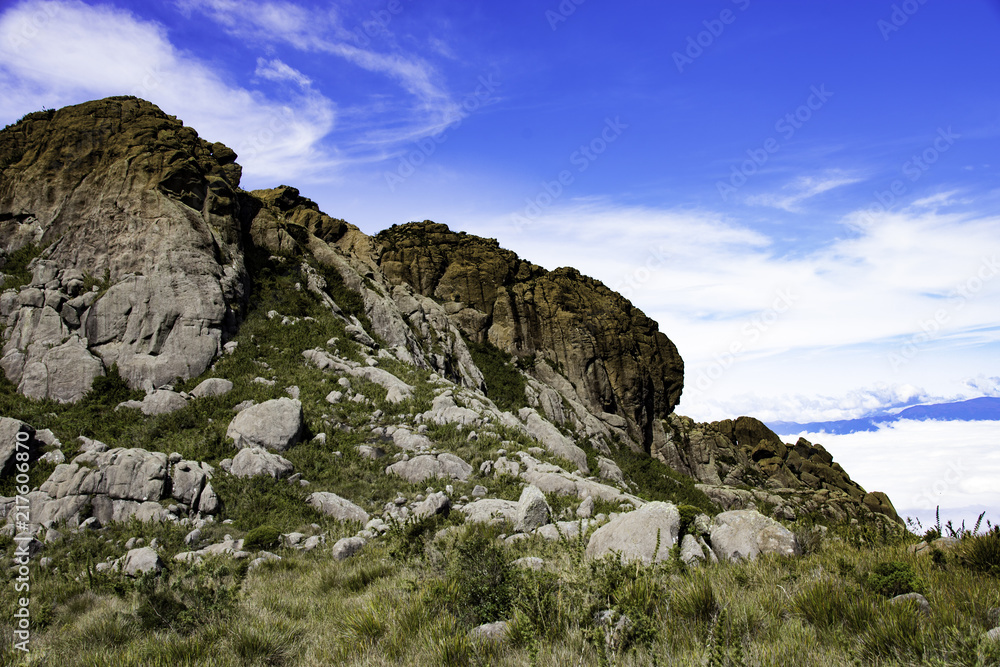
[(204, 383)]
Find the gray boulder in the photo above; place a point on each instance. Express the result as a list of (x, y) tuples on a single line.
[(212, 387), (694, 550), (426, 466), (633, 535), (490, 510), (276, 424), (746, 533), (435, 503), (346, 547), (140, 561), (554, 441), (162, 402), (253, 461), (491, 632), (532, 510), (339, 508), (915, 598), (188, 479)]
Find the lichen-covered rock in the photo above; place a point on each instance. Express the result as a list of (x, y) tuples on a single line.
[(171, 281), (276, 425), (610, 351)]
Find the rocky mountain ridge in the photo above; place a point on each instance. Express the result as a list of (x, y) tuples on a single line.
[(140, 253)]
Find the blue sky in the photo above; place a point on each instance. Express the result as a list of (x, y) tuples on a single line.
[(805, 196)]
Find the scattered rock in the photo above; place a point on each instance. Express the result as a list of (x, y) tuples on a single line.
[(435, 503), (162, 402), (491, 632), (427, 466), (921, 602), (140, 561)]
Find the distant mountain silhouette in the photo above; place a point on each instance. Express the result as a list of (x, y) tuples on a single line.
[(976, 409)]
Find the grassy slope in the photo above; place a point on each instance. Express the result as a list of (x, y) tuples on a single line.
[(410, 600)]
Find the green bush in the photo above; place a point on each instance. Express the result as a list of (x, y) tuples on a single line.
[(894, 578), (483, 579), (16, 265), (262, 537), (504, 382), (830, 605), (658, 481), (981, 553)]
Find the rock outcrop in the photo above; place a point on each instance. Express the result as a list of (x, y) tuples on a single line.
[(613, 356), (122, 196), (741, 463)]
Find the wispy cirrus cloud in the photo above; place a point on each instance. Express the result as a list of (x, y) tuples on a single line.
[(792, 195), (376, 126)]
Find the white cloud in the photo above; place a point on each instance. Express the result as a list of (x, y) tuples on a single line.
[(923, 464), (801, 189), (54, 53), (275, 70), (849, 312), (431, 107)]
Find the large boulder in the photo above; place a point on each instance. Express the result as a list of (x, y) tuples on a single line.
[(739, 534), (212, 387), (339, 508), (125, 474), (252, 461), (532, 510), (634, 535), (427, 466), (276, 425)]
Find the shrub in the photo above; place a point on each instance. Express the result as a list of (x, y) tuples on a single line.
[(830, 605), (504, 382), (981, 553), (262, 537), (697, 600), (894, 578), (484, 580)]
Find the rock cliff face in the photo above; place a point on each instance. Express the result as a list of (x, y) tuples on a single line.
[(127, 199), (125, 240), (613, 356)]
